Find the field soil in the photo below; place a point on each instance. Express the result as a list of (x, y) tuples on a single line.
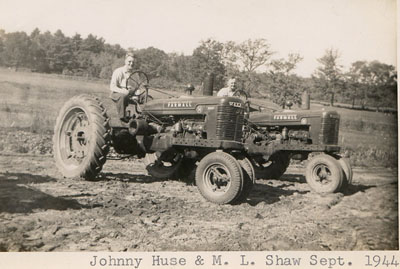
[(127, 210)]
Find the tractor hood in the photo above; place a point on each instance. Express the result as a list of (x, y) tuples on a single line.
[(289, 117), (189, 105)]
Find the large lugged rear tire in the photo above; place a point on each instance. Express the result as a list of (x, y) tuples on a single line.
[(186, 171), (274, 168), (219, 178), (81, 136), (324, 174), (161, 167)]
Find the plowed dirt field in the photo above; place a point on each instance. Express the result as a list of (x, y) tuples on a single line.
[(127, 210)]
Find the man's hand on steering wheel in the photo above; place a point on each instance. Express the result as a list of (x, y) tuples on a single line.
[(131, 92), (137, 85)]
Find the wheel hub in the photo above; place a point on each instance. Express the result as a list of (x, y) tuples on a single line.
[(76, 139), (217, 178), (322, 174)]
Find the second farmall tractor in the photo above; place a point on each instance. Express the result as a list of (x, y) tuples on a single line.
[(211, 137), (273, 139)]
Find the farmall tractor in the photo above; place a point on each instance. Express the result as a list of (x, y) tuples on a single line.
[(273, 139), (172, 135), (210, 137)]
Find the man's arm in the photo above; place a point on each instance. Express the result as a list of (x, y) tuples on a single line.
[(222, 92), (115, 84)]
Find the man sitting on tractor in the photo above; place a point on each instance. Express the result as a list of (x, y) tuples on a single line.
[(230, 90), (120, 93)]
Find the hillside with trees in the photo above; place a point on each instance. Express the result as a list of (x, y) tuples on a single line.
[(365, 84)]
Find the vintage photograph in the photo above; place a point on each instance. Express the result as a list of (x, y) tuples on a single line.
[(198, 125)]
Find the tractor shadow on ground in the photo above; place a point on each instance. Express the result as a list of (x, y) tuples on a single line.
[(353, 189), (19, 195), (126, 177), (272, 194), (132, 178), (350, 190), (299, 178)]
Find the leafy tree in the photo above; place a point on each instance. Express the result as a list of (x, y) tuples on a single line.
[(328, 76), (16, 49), (179, 68), (245, 58), (251, 54), (116, 50), (152, 61), (285, 86), (206, 59), (2, 38), (62, 53), (103, 64), (372, 82), (76, 43), (85, 64), (93, 44), (38, 57)]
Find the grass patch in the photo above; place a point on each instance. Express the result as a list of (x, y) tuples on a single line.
[(370, 148), (372, 156), (41, 124), (362, 125)]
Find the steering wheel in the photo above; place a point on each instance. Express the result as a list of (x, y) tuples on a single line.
[(138, 81), (241, 94), (244, 96)]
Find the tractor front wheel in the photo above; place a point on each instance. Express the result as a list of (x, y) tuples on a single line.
[(347, 170), (219, 178), (249, 178), (324, 174)]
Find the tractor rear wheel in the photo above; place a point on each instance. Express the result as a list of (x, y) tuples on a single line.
[(162, 166), (81, 137), (274, 168), (219, 178), (187, 171)]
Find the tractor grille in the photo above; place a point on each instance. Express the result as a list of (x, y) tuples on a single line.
[(330, 129), (229, 123)]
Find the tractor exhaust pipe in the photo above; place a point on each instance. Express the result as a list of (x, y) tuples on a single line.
[(305, 100), (208, 84)]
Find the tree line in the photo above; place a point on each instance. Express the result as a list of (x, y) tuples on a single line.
[(363, 84)]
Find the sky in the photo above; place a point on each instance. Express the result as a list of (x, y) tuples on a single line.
[(358, 29)]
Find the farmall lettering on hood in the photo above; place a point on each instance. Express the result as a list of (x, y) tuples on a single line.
[(179, 104)]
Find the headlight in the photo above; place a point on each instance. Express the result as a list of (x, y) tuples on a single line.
[(303, 121)]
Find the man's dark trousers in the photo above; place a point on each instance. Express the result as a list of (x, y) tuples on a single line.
[(121, 100)]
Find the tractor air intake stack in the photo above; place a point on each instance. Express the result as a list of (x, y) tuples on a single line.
[(305, 100), (208, 84)]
